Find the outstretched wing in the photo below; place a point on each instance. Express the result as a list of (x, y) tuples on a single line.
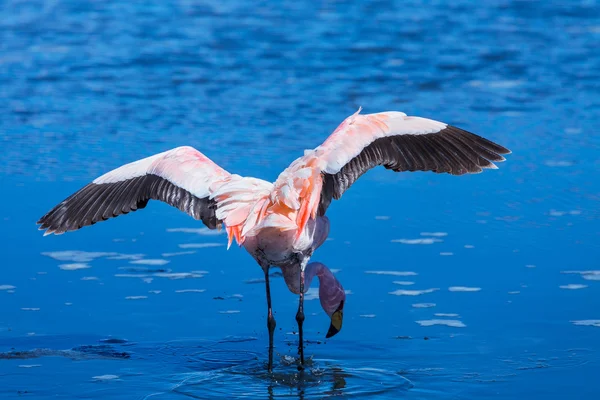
[(181, 177), (400, 143)]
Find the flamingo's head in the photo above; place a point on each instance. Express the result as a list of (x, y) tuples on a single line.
[(331, 295), (336, 319)]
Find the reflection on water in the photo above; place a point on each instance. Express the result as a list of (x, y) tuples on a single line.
[(313, 383)]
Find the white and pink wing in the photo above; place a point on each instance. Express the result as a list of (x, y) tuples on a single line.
[(181, 177), (400, 143)]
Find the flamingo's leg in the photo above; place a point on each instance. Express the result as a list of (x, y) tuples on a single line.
[(270, 320), (300, 314)]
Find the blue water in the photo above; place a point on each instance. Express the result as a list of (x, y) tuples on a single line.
[(88, 86)]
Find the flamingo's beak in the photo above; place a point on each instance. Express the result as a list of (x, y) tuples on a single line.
[(336, 321)]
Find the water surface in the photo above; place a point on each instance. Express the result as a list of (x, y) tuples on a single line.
[(460, 287)]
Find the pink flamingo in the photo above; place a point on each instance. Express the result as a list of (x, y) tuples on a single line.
[(282, 223)]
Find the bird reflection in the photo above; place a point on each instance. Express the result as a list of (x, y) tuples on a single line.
[(334, 377), (339, 382)]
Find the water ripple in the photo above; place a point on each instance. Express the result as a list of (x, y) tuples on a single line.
[(253, 381)]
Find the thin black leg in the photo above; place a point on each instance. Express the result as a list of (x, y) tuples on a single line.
[(300, 320), (270, 320)]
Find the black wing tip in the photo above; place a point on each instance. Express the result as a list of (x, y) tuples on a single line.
[(455, 129), (47, 228), (49, 231), (50, 225), (44, 226), (500, 150), (496, 150)]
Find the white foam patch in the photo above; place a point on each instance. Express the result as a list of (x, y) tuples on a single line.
[(500, 84), (77, 255), (589, 272), (7, 287), (454, 323), (573, 286), (126, 257), (417, 241), (530, 266), (469, 246), (588, 322), (89, 278), (30, 308), (514, 292), (423, 305), (190, 291), (68, 304), (150, 261), (392, 273), (559, 163), (105, 377), (464, 289), (178, 275), (404, 283), (401, 292), (367, 315), (143, 269), (447, 253), (136, 297), (504, 84), (434, 234), (254, 280), (382, 217), (131, 276), (178, 253), (229, 312), (446, 315), (592, 275), (74, 267), (199, 245), (30, 365), (198, 231), (155, 291), (555, 213), (311, 294)]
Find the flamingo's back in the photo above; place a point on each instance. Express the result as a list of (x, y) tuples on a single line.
[(241, 204)]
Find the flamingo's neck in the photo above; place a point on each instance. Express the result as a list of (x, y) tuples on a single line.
[(331, 292)]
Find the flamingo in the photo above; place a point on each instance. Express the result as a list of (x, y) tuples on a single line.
[(282, 223)]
